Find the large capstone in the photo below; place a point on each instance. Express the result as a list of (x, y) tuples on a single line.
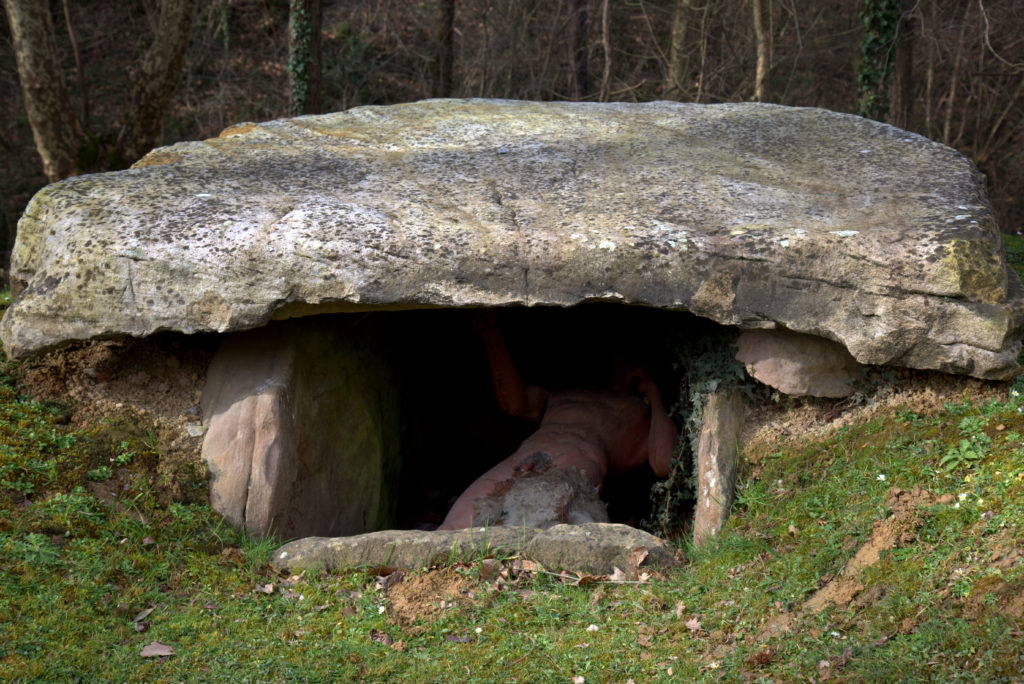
[(752, 215)]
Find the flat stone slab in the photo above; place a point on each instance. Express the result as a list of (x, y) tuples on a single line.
[(753, 215), (595, 548)]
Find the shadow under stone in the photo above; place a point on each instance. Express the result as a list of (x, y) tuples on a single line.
[(349, 423)]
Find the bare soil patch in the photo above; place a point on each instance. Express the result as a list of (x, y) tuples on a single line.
[(145, 389), (896, 530), (769, 424), (425, 596)]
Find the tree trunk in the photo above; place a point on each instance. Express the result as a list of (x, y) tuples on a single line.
[(903, 96), (763, 40), (678, 55), (305, 19), (83, 87), (156, 80), (953, 81), (606, 47), (578, 47), (55, 128), (444, 60)]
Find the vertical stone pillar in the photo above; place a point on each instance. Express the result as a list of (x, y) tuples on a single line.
[(303, 433), (717, 455)]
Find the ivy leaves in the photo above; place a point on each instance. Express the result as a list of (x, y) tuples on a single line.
[(881, 22)]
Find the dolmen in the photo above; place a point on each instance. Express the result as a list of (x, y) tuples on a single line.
[(827, 241)]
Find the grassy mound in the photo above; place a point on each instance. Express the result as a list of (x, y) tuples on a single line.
[(889, 548)]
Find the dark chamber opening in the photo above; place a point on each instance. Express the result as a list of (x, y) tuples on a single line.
[(454, 430)]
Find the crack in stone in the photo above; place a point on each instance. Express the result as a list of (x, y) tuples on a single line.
[(129, 288), (500, 201)]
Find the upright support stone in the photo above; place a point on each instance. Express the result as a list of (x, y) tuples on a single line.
[(718, 449), (304, 429)]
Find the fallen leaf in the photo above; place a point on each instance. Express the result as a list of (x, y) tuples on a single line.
[(579, 680), (638, 556), (527, 565), (458, 639), (645, 641), (489, 568), (398, 645), (793, 529), (293, 579), (148, 541), (156, 650), (680, 609), (264, 588), (584, 580), (693, 624), (143, 615), (381, 637), (389, 580), (617, 575)]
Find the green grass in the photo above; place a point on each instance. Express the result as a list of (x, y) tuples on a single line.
[(78, 567)]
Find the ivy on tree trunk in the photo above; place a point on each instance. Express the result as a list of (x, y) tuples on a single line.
[(304, 25), (881, 22)]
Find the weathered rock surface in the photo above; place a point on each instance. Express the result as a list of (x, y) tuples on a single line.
[(541, 501), (797, 364), (751, 215), (594, 548), (304, 430)]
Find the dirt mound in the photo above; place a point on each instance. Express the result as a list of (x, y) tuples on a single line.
[(425, 596), (925, 392), (896, 530), (132, 388), (162, 376)]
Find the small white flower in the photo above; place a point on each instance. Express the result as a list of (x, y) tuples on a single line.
[(592, 628), (381, 609), (1014, 393), (479, 630), (713, 665), (958, 571), (835, 634), (881, 477)]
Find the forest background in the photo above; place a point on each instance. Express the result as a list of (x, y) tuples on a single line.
[(127, 75)]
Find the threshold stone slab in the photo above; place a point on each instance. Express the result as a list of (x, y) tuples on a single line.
[(594, 548)]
